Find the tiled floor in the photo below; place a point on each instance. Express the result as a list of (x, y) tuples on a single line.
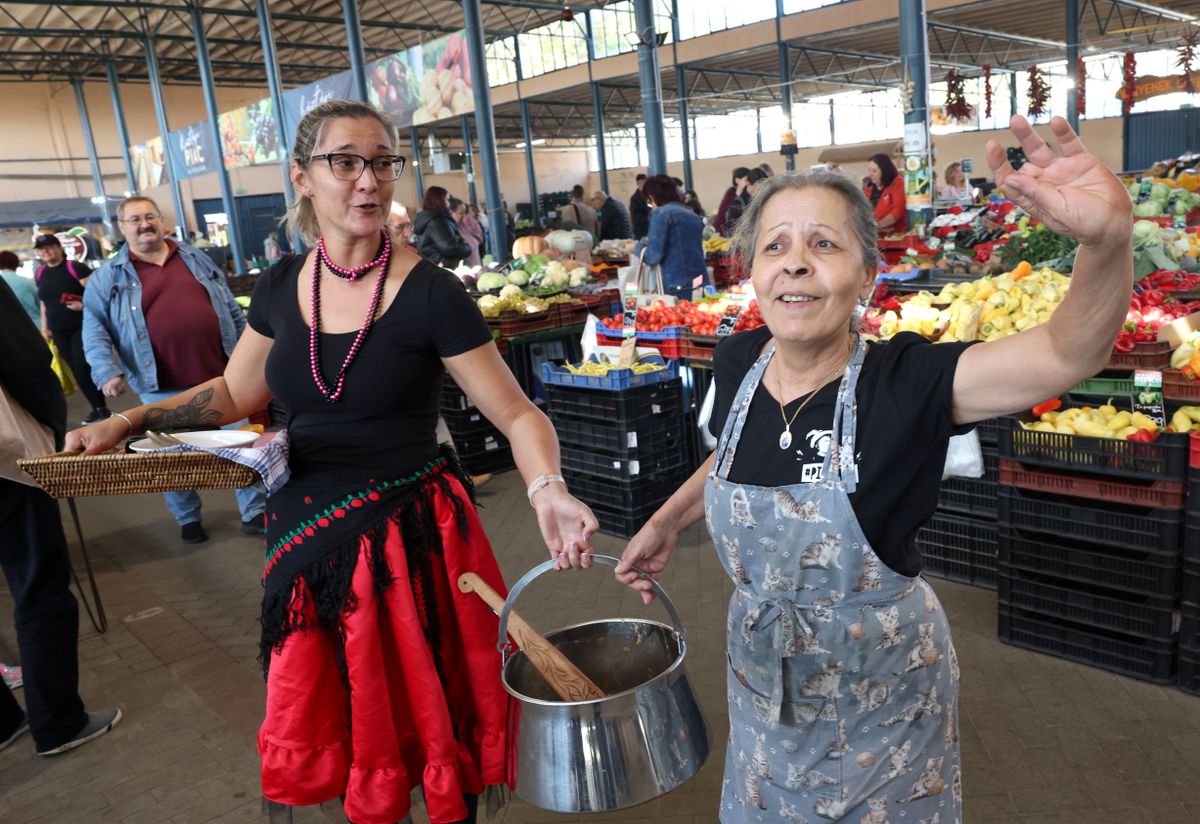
[(1043, 740)]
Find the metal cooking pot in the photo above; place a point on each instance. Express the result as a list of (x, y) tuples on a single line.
[(646, 737)]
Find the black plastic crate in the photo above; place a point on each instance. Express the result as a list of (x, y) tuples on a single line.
[(624, 523), (499, 460), (973, 496), (1191, 538), (479, 444), (1150, 659), (467, 422), (1190, 590), (625, 494), (1189, 625), (453, 399), (1146, 616), (989, 431), (959, 548), (1164, 460), (625, 405), (1147, 572), (1111, 524), (648, 435), (1189, 669), (582, 462)]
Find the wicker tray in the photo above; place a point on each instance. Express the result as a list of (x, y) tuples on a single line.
[(71, 475)]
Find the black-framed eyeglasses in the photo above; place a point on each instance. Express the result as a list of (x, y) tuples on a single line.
[(345, 166)]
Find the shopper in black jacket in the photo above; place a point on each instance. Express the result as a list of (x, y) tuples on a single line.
[(639, 210), (435, 234), (614, 219), (33, 553)]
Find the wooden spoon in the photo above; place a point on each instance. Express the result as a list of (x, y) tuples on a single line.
[(562, 676)]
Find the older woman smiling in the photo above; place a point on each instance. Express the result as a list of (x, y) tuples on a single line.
[(843, 680)]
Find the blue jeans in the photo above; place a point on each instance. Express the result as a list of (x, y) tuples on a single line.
[(185, 506)]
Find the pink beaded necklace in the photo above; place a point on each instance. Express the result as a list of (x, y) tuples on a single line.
[(314, 334), (385, 252)]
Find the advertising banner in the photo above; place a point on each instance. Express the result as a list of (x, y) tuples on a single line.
[(149, 164), (192, 151), (249, 135), (429, 82), (301, 101)]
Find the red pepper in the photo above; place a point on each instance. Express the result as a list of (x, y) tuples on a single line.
[(1145, 337), (1123, 343), (1152, 297), (1143, 436), (1048, 406)]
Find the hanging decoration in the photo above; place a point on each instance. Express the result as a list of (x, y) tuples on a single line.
[(987, 89), (1080, 87), (1039, 91), (1188, 46), (907, 89), (1129, 69), (957, 107)]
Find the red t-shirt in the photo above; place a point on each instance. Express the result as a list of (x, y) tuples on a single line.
[(894, 203), (184, 332)]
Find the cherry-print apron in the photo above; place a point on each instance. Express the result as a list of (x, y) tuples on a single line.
[(843, 681)]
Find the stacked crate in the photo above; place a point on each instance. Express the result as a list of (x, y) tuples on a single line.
[(480, 446), (1090, 541), (959, 542), (624, 451), (1189, 629)]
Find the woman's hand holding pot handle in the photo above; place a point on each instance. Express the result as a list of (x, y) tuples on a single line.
[(649, 551)]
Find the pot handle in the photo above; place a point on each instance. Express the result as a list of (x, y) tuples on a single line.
[(544, 567)]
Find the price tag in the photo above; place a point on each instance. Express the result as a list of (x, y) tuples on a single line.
[(628, 327), (729, 320), (911, 252), (1147, 396), (949, 247)]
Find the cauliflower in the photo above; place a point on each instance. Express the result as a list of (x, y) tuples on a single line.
[(512, 291)]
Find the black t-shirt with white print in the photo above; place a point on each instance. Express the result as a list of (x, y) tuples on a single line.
[(904, 397)]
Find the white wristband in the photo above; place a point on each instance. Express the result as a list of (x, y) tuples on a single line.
[(540, 482), (122, 417)]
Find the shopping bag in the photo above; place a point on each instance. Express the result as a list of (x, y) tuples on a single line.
[(59, 364), (648, 277), (964, 457), (21, 436)]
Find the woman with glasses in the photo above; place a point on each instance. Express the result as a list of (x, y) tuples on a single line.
[(381, 676)]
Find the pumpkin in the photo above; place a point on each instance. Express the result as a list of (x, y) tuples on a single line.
[(528, 246)]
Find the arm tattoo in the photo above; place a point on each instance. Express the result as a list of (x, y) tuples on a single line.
[(193, 414)]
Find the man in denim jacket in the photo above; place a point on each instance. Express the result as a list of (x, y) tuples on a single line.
[(160, 315)]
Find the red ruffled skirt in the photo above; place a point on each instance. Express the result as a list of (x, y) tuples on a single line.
[(372, 711)]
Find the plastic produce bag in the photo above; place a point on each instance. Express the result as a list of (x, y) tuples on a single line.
[(964, 457), (59, 365)]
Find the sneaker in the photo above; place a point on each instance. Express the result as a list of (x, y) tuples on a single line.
[(256, 526), (97, 724), (97, 415), (193, 533), (13, 676), (21, 729)]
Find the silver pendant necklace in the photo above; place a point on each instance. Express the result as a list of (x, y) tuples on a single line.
[(785, 437)]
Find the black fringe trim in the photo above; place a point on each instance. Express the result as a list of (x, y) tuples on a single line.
[(327, 579)]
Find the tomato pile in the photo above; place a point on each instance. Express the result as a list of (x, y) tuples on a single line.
[(701, 318)]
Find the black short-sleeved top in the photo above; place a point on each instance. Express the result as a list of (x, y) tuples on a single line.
[(385, 421), (904, 400), (55, 281)]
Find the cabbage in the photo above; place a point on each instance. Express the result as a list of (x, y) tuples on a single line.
[(1160, 191), (518, 277), (491, 280)]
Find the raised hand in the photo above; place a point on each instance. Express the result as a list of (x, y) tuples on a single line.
[(1072, 192)]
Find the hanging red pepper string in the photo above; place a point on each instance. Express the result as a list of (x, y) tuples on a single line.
[(1080, 87), (1129, 68), (987, 89), (1039, 91), (1187, 53), (957, 107)]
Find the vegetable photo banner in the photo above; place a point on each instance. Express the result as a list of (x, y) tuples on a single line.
[(192, 151), (250, 136), (429, 82), (149, 164), (299, 102)]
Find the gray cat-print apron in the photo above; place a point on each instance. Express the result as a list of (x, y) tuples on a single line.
[(843, 680)]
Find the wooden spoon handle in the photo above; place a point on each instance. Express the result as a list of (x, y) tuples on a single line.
[(563, 676)]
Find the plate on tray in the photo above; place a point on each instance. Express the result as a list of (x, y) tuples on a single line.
[(214, 439)]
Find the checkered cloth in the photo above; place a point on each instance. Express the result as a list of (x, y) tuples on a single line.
[(268, 456)]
